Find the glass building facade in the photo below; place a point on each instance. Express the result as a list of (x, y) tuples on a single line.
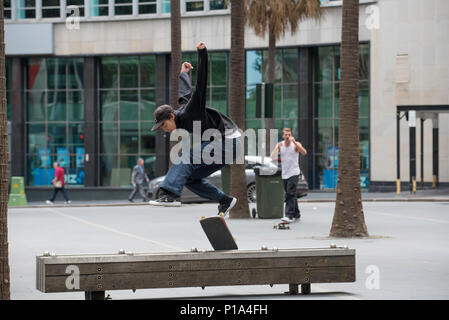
[(123, 92), (127, 103), (326, 116), (54, 119), (285, 87)]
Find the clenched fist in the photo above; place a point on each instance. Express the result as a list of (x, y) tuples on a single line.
[(201, 45)]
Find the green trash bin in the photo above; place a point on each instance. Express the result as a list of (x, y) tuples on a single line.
[(269, 193)]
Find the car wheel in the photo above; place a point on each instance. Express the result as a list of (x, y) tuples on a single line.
[(251, 193)]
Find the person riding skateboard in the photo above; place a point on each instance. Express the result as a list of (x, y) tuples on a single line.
[(192, 107), (289, 149)]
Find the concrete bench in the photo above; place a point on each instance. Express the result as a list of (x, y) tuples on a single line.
[(96, 273)]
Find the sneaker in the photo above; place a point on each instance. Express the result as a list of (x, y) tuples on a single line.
[(130, 200), (68, 202), (226, 205), (287, 219), (166, 200), (49, 202)]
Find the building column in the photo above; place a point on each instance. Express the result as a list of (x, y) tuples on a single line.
[(162, 97), (305, 110), (18, 114), (435, 153), (412, 140), (90, 123)]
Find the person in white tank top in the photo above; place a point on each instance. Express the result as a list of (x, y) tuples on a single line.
[(289, 150)]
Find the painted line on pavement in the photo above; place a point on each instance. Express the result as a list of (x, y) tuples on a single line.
[(126, 234)]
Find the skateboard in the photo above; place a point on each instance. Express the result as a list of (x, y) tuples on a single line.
[(218, 233), (284, 225)]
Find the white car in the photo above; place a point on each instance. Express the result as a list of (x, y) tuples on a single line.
[(268, 165)]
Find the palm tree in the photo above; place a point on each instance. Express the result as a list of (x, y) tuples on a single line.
[(349, 220), (237, 102), (176, 55), (278, 16), (4, 172)]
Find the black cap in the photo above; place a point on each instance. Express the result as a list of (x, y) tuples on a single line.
[(161, 114)]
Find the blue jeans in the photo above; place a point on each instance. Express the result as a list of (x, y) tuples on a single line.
[(193, 174)]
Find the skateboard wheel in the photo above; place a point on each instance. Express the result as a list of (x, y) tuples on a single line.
[(203, 217), (235, 240), (221, 214)]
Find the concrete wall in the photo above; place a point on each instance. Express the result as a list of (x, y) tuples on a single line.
[(419, 29), (153, 35)]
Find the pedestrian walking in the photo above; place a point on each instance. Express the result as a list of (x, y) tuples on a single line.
[(137, 179), (289, 149), (58, 184)]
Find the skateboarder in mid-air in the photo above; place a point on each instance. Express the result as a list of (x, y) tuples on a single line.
[(192, 107)]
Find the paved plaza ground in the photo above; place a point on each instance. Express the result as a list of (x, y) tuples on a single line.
[(409, 245)]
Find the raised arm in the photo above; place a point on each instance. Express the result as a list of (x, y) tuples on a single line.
[(197, 104), (185, 86)]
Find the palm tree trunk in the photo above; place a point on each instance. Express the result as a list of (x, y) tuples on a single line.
[(4, 172), (176, 55), (237, 103), (349, 220), (175, 58), (271, 79)]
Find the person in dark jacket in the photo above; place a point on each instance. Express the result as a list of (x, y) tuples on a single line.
[(228, 146), (137, 178)]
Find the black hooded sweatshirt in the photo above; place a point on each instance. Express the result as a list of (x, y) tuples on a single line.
[(192, 107)]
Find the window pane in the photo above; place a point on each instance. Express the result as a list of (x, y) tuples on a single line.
[(57, 137), (219, 99), (109, 137), (109, 105), (323, 96), (253, 67), (123, 7), (75, 73), (364, 99), (56, 73), (218, 4), (290, 65), (99, 8), (36, 74), (76, 137), (56, 106), (36, 106), (128, 72), (75, 171), (26, 9), (75, 106), (326, 170), (194, 5), (364, 61), (219, 68), (128, 105), (364, 135), (37, 167), (277, 101), (147, 6), (147, 138), (50, 8), (129, 137), (290, 101), (147, 71), (324, 64), (147, 104), (325, 135), (251, 102), (337, 69), (150, 166), (109, 75), (37, 138), (165, 6), (109, 170), (7, 6)]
